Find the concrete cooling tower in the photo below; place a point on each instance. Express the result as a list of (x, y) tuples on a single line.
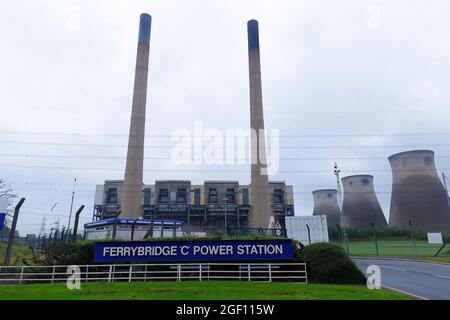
[(360, 207), (417, 193), (325, 203)]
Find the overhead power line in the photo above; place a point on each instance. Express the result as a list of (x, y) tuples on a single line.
[(16, 155), (288, 135), (230, 148), (197, 170)]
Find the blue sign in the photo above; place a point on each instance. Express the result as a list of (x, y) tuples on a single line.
[(2, 220), (195, 250)]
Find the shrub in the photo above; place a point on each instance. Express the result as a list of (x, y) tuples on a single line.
[(329, 263), (80, 253)]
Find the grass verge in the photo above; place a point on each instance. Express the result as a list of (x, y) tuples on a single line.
[(396, 248), (194, 290)]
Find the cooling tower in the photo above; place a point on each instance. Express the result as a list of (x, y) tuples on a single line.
[(360, 207), (417, 193), (260, 200), (133, 183), (325, 203)]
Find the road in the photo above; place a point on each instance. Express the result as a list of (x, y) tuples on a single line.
[(425, 280)]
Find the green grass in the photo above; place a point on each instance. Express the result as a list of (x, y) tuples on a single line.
[(435, 259), (396, 248), (194, 290), (17, 251)]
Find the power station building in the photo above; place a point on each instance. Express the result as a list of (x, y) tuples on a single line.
[(418, 194), (326, 203), (196, 205), (360, 207)]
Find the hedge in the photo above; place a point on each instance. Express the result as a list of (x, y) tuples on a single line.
[(329, 263)]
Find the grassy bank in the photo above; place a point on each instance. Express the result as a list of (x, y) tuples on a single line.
[(190, 290)]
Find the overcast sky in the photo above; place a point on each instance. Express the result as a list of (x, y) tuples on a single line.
[(345, 81)]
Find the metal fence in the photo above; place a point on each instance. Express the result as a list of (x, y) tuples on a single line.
[(287, 272)]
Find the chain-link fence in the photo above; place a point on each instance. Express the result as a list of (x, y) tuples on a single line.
[(390, 242)]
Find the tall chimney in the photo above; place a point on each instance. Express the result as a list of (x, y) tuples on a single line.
[(132, 189), (260, 199)]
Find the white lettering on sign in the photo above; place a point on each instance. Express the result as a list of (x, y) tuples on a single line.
[(259, 249), (213, 250), (184, 250), (139, 251), (199, 250)]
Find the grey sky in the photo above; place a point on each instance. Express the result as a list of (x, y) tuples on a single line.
[(329, 68)]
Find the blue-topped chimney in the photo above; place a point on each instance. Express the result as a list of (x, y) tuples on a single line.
[(145, 25), (253, 34)]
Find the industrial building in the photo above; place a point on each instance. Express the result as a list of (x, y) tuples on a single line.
[(206, 205), (326, 203), (360, 207), (132, 229), (418, 194)]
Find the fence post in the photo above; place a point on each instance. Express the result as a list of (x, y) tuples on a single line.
[(179, 273), (309, 234), (87, 272), (145, 274), (413, 236), (12, 232), (306, 273), (21, 275), (200, 274), (270, 272), (129, 273), (62, 234), (75, 226), (248, 270), (53, 274), (109, 274), (133, 226), (115, 224), (174, 232), (375, 238)]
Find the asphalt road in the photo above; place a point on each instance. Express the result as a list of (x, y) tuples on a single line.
[(425, 280)]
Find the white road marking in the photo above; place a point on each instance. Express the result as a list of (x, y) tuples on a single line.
[(443, 277), (407, 293), (392, 268)]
